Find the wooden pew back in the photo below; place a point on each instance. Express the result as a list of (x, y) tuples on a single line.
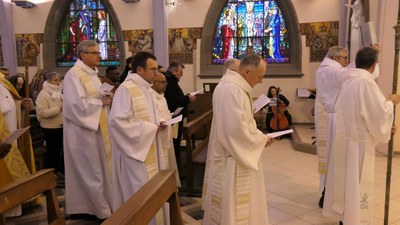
[(145, 203), (20, 191)]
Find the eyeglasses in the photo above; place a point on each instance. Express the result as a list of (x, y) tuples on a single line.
[(93, 53), (154, 70)]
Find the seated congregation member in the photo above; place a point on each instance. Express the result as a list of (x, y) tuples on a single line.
[(136, 131), (234, 186), (278, 117), (49, 114), (87, 149)]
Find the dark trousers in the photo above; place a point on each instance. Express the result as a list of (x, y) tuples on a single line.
[(54, 156), (177, 143)]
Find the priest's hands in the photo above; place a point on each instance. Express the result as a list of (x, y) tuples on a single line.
[(395, 98), (269, 142), (162, 126), (107, 99), (27, 103), (4, 149), (377, 47)]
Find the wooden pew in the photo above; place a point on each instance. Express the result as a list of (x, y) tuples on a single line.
[(201, 123), (20, 191), (145, 203)]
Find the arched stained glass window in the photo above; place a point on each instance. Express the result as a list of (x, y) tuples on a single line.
[(87, 20), (248, 26)]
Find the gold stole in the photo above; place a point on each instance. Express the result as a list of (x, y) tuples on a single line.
[(243, 175), (142, 113), (92, 92)]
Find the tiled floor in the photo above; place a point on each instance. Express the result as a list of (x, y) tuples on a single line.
[(292, 184)]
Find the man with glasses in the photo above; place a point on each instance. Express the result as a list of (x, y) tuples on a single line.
[(136, 129), (328, 82), (87, 150)]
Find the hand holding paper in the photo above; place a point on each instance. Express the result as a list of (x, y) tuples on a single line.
[(279, 133), (173, 120), (197, 92)]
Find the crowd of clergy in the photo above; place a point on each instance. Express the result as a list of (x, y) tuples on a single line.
[(118, 135)]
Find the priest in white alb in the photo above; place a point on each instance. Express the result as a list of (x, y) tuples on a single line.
[(134, 130), (364, 118), (159, 85), (328, 79), (87, 149), (234, 186)]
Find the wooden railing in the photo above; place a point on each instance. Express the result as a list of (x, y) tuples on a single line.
[(20, 191), (201, 123), (145, 203)]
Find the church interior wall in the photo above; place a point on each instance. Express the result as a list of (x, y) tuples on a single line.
[(192, 13)]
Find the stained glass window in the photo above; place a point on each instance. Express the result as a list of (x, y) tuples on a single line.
[(248, 26), (87, 20)]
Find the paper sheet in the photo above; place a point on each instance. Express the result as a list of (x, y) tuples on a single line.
[(14, 135), (106, 88), (197, 92), (260, 102), (174, 120), (177, 111), (279, 133)]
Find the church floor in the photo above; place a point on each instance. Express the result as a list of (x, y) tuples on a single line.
[(292, 184)]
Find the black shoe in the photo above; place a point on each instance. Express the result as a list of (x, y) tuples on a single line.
[(82, 216), (321, 200)]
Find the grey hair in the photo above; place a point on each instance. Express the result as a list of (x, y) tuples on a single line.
[(335, 51), (250, 60), (50, 75), (174, 65), (230, 64), (83, 47)]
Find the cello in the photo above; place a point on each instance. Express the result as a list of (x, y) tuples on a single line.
[(279, 120)]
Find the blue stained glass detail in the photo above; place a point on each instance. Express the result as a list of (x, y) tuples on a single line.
[(259, 27), (87, 20)]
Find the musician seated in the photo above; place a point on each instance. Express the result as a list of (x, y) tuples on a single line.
[(278, 117)]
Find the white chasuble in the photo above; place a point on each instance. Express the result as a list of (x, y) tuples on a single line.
[(363, 119), (137, 147), (87, 178), (234, 191)]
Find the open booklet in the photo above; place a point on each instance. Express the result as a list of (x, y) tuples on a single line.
[(260, 102), (15, 134), (177, 111), (279, 133)]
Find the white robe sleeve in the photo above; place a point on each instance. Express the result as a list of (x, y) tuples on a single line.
[(237, 135), (6, 100), (78, 107), (130, 135), (376, 111)]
